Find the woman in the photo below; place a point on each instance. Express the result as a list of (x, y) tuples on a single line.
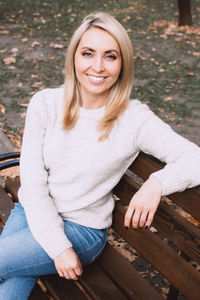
[(78, 142)]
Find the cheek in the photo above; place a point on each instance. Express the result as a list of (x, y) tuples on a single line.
[(115, 71), (80, 65)]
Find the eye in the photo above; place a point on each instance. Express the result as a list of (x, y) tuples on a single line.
[(111, 57), (87, 53)]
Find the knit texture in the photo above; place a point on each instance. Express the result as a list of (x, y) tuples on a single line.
[(70, 174)]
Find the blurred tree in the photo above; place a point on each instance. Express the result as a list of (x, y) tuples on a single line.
[(185, 16)]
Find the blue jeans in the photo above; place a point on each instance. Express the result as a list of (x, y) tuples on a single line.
[(22, 259)]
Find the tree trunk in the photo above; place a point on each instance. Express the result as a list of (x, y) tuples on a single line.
[(185, 16)]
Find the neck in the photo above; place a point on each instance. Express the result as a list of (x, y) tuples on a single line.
[(93, 102)]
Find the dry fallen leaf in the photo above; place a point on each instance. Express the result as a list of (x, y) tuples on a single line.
[(35, 43), (34, 76), (168, 98), (4, 32), (23, 104), (57, 46), (25, 40), (16, 140), (172, 28), (10, 172), (36, 84), (196, 53), (9, 60), (11, 68), (2, 108), (14, 50), (190, 74), (20, 85), (126, 253), (3, 50)]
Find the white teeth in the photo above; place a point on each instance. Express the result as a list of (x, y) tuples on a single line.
[(96, 79)]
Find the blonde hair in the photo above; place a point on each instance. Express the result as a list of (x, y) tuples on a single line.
[(119, 93)]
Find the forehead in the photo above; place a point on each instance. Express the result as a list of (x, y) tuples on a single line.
[(97, 38)]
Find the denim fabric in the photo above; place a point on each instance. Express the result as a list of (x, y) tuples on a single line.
[(22, 259)]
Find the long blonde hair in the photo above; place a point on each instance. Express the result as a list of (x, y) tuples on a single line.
[(119, 93)]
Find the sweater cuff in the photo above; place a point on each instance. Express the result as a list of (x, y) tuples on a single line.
[(171, 180), (56, 247)]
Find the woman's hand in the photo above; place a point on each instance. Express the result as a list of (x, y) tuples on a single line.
[(143, 205), (68, 264)]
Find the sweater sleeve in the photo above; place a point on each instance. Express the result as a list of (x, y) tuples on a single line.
[(44, 221), (182, 157)]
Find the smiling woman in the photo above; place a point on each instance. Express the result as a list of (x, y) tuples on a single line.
[(106, 34), (97, 65), (78, 142)]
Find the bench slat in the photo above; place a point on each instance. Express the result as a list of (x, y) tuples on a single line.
[(184, 277), (12, 187), (189, 200), (99, 285), (61, 288), (38, 294), (168, 222), (6, 204), (124, 274)]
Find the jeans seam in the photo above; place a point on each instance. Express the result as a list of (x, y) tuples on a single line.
[(99, 252), (86, 249), (25, 267)]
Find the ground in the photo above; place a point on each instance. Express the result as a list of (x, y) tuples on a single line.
[(33, 40)]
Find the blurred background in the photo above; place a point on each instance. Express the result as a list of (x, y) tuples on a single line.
[(34, 36)]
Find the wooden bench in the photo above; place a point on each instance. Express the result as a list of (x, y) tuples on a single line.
[(173, 249)]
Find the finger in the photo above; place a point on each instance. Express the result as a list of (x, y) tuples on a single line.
[(143, 218), (60, 273), (80, 265), (136, 218), (78, 271), (72, 275), (66, 275), (128, 215), (150, 218)]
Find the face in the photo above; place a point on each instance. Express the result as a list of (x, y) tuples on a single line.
[(97, 65)]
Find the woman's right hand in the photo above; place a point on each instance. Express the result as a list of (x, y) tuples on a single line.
[(68, 264)]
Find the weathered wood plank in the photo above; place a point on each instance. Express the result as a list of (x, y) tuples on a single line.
[(99, 285), (38, 294), (6, 204), (12, 187), (125, 276), (176, 228), (189, 200), (61, 288), (183, 276)]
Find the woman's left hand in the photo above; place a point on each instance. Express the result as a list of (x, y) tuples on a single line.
[(143, 205)]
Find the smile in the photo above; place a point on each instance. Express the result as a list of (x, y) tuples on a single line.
[(96, 79)]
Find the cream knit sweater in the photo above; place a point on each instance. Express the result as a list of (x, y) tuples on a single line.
[(70, 175)]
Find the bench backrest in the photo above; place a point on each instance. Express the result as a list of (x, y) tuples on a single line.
[(172, 258)]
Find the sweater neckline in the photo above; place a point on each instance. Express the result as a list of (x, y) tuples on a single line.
[(91, 113)]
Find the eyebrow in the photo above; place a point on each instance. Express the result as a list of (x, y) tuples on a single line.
[(107, 51)]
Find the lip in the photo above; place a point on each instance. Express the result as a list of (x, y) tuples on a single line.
[(96, 79)]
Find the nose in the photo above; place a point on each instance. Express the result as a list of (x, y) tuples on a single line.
[(98, 65)]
